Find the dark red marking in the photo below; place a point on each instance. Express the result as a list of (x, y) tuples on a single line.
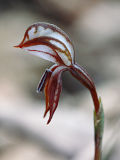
[(86, 80)]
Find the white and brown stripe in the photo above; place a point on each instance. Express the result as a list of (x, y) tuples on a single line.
[(48, 42)]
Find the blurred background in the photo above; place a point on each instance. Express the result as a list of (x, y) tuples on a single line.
[(93, 26)]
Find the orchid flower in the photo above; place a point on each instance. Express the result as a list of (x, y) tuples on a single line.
[(49, 42)]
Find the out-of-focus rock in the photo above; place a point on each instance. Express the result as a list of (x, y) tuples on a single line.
[(64, 12), (96, 40)]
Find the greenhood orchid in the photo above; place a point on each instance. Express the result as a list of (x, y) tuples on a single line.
[(49, 42)]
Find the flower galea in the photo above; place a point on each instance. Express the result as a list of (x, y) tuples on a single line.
[(49, 42)]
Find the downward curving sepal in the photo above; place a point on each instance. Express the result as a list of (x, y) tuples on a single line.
[(53, 89), (48, 42)]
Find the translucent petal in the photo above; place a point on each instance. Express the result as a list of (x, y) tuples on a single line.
[(49, 42)]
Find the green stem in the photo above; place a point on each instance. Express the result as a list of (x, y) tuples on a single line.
[(98, 129)]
